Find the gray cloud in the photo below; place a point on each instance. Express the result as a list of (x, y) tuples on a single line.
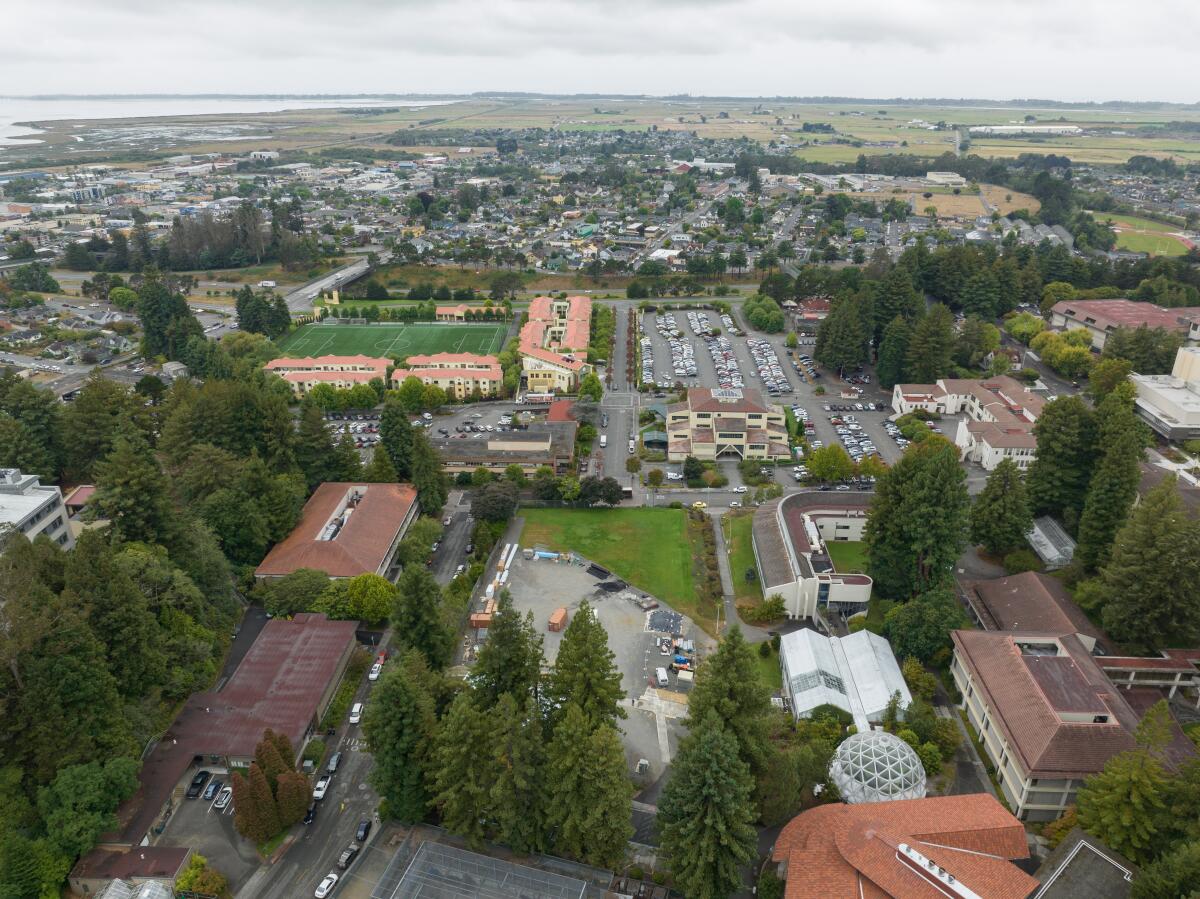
[(1063, 49)]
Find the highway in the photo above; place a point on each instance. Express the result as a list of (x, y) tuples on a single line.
[(299, 299)]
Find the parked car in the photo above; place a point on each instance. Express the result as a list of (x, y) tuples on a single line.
[(211, 791), (223, 798), (335, 762), (376, 670), (325, 887), (197, 785), (311, 814), (356, 713), (348, 855), (364, 830), (322, 786)]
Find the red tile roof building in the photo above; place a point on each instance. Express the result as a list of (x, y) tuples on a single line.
[(909, 849), (459, 374), (345, 529), (732, 423), (1100, 317), (554, 341), (459, 313), (341, 372)]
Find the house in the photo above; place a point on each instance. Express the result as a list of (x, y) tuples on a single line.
[(788, 537), (1100, 317), (33, 509), (345, 529), (1000, 414), (340, 372), (931, 848), (553, 343), (727, 422), (460, 374), (1170, 404), (857, 673), (142, 865), (1047, 714)]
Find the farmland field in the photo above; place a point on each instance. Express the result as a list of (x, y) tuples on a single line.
[(393, 339)]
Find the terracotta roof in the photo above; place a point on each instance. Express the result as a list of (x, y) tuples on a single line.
[(854, 850), (362, 544), (575, 325), (1030, 601), (700, 399), (437, 360), (475, 373), (324, 362), (1126, 314), (308, 376)]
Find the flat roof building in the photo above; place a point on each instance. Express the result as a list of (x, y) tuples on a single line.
[(346, 529), (1170, 404), (857, 673), (33, 509), (550, 444)]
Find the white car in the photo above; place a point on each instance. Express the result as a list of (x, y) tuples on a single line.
[(223, 797), (376, 670), (739, 489), (356, 713), (734, 504), (322, 786), (325, 887)]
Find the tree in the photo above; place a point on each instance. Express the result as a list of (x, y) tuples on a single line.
[(589, 790), (167, 320), (380, 470), (1106, 375), (401, 728), (705, 813), (931, 347), (633, 464), (1148, 589), (1124, 804), (463, 773), (1001, 517), (981, 295), (266, 812), (896, 298), (427, 477), (201, 879), (1056, 292), (495, 502), (417, 617), (655, 477), (590, 387), (892, 363), (81, 802), (830, 463), (396, 437), (518, 796), (294, 592), (293, 793), (1174, 873), (511, 660), (1059, 476), (728, 685), (1114, 484), (918, 520), (842, 337), (131, 492), (921, 627), (585, 670), (102, 411)]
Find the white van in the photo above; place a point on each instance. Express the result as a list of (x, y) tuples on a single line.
[(603, 440), (356, 713), (632, 446), (660, 675)]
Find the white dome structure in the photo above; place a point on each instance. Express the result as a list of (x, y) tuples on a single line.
[(876, 766)]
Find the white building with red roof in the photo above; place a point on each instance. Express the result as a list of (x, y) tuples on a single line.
[(726, 423), (1101, 317), (459, 374), (553, 343), (341, 372)]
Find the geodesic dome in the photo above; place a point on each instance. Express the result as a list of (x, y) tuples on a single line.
[(876, 766)]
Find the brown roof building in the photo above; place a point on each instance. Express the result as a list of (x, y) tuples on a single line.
[(909, 849), (1030, 601), (346, 529), (1101, 317), (99, 867)]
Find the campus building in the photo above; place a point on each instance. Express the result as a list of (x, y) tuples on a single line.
[(341, 372), (345, 529), (789, 537), (553, 343), (459, 374), (462, 312), (1170, 404), (1000, 414), (726, 423), (1101, 317), (549, 444), (32, 509)]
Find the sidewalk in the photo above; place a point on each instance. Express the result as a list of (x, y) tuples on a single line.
[(752, 633)]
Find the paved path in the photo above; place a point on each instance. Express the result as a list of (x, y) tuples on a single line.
[(752, 633)]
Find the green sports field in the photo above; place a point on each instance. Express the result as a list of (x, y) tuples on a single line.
[(394, 339)]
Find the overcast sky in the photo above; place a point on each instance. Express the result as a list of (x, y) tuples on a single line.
[(1057, 49)]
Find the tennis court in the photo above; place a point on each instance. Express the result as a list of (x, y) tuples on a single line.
[(394, 339)]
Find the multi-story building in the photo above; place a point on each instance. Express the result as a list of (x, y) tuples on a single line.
[(459, 374), (726, 423), (341, 372), (32, 509), (1170, 404), (553, 343), (1000, 414), (1101, 317)]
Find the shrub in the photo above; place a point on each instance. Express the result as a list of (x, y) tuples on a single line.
[(1020, 560), (636, 873), (1056, 831), (764, 650)]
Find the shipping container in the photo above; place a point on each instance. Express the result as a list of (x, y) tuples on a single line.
[(558, 619)]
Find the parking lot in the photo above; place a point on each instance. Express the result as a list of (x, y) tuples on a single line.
[(653, 728)]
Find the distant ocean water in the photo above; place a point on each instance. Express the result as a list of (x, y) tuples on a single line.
[(38, 109)]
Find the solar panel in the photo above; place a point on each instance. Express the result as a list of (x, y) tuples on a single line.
[(726, 394)]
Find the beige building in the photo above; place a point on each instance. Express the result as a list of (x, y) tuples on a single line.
[(340, 372), (553, 344), (459, 374), (1101, 317), (33, 509), (726, 423), (1170, 404)]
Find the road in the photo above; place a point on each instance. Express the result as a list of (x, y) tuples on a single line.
[(299, 299)]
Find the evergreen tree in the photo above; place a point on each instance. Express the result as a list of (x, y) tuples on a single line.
[(705, 814), (981, 295), (131, 492), (590, 791), (511, 660), (380, 470), (283, 746), (1059, 476), (931, 347), (463, 774), (728, 686), (1001, 517), (396, 437), (892, 364), (427, 476), (918, 520), (1149, 587), (346, 463), (895, 298), (246, 819), (1124, 804), (518, 798), (266, 814), (20, 449), (272, 765), (417, 617), (585, 670), (842, 337), (1173, 874), (314, 447), (293, 793), (401, 726), (1114, 484), (40, 414), (103, 410)]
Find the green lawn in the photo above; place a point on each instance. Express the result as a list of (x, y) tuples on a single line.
[(649, 548), (848, 556), (1135, 222), (768, 668), (741, 558), (393, 339), (1154, 244)]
